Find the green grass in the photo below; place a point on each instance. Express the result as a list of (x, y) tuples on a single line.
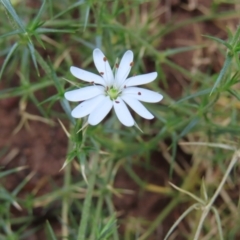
[(39, 44)]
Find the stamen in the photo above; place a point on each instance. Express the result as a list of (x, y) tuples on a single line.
[(92, 82), (131, 64), (117, 65), (139, 93), (116, 101), (101, 73), (104, 59), (124, 86)]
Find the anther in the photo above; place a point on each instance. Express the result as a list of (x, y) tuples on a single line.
[(131, 64), (92, 82), (124, 86), (139, 93), (117, 65), (116, 101), (104, 59), (101, 73)]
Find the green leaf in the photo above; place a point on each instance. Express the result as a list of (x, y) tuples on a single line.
[(39, 40), (53, 76), (37, 18), (50, 231), (203, 191), (78, 3), (50, 7), (222, 72), (23, 90), (53, 98), (70, 156), (7, 4), (236, 57), (11, 33), (13, 48), (86, 17), (197, 94), (235, 39), (82, 160), (52, 30), (135, 177), (107, 229), (37, 104), (7, 172), (219, 224), (66, 107), (181, 217), (5, 195), (22, 184), (189, 127), (78, 136), (33, 55), (47, 67), (229, 33), (3, 151), (174, 152), (171, 52), (84, 42), (229, 46), (234, 93)]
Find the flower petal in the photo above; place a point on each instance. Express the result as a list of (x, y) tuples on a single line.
[(123, 113), (137, 107), (86, 76), (141, 79), (142, 94), (86, 107), (100, 112), (84, 93), (124, 67), (103, 66)]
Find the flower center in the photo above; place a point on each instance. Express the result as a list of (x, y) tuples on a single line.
[(113, 93)]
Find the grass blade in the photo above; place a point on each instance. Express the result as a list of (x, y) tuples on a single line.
[(11, 33), (12, 50), (86, 18), (219, 41), (7, 4), (36, 19), (50, 231), (222, 72), (32, 51), (5, 173), (184, 214), (69, 8)]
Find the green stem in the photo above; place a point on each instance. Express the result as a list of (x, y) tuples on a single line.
[(223, 71), (208, 207), (160, 218), (97, 218), (88, 200), (65, 205), (111, 209)]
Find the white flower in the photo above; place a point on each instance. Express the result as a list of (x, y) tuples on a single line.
[(112, 90)]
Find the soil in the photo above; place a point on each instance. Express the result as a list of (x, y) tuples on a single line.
[(42, 147)]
